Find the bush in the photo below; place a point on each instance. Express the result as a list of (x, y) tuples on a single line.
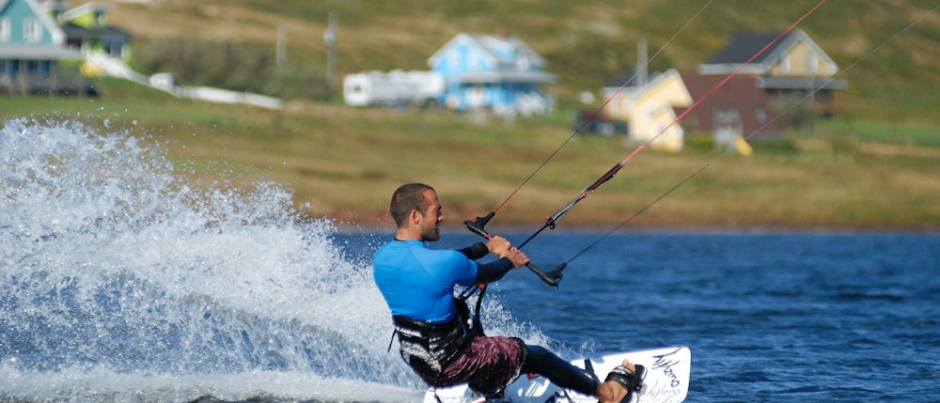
[(794, 112), (297, 82), (237, 67), (785, 146), (700, 141)]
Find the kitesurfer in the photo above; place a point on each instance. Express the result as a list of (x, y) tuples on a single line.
[(435, 337)]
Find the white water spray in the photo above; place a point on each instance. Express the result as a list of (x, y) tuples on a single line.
[(121, 281)]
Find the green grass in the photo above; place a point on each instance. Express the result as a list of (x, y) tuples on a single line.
[(344, 162), (926, 134), (874, 167), (889, 65)]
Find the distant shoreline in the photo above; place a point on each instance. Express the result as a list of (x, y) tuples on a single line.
[(691, 229)]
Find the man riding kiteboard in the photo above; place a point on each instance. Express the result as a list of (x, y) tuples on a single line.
[(435, 337)]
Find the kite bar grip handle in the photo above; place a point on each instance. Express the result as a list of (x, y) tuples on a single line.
[(477, 227), (551, 278)]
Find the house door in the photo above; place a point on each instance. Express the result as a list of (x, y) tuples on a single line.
[(728, 127), (476, 96)]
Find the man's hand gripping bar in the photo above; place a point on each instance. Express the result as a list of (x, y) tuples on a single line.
[(477, 227)]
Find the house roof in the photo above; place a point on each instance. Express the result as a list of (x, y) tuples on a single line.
[(740, 94), (72, 30), (801, 83), (505, 49), (744, 46), (85, 8), (38, 52), (53, 5), (508, 48), (656, 83), (498, 76)]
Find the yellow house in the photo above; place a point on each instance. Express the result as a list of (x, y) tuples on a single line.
[(650, 110), (789, 66)]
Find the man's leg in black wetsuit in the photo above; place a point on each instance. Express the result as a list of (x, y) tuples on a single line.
[(540, 361)]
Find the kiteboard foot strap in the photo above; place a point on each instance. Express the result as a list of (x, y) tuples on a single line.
[(631, 380)]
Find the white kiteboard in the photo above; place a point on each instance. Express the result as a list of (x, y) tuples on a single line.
[(666, 381)]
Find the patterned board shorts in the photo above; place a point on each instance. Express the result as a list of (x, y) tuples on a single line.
[(488, 365)]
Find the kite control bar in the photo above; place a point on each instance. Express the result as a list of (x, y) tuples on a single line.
[(551, 278)]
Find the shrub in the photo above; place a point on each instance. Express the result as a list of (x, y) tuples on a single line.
[(237, 67)]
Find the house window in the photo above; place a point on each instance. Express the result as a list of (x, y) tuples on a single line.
[(785, 63), (651, 112), (32, 30), (760, 114), (33, 67), (4, 29)]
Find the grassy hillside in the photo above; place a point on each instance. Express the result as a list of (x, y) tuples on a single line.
[(874, 169), (344, 162), (586, 43)]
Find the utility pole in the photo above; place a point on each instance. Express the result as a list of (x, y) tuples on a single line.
[(642, 73), (281, 54), (329, 38)]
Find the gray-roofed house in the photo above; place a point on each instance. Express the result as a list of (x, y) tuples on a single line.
[(737, 108), (32, 45), (792, 67), (87, 28), (496, 72)]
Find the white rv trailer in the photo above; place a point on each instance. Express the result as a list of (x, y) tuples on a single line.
[(396, 86)]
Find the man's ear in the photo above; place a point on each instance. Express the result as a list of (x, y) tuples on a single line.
[(415, 216)]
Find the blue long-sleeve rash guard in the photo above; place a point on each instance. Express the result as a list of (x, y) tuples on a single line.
[(418, 282)]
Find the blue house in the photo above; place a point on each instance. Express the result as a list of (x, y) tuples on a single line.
[(31, 47), (494, 72)]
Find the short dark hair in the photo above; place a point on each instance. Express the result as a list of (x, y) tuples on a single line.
[(406, 198)]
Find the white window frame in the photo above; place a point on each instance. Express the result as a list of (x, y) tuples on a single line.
[(5, 29), (32, 30), (474, 61)]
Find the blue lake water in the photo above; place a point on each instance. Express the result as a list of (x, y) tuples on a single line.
[(121, 282), (769, 317)]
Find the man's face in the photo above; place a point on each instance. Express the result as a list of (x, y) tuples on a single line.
[(431, 219)]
